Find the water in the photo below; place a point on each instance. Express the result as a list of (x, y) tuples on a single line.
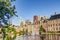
[(39, 37)]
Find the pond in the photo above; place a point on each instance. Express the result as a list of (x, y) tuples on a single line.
[(36, 37), (39, 37)]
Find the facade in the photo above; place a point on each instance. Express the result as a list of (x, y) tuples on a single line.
[(49, 24), (53, 23), (27, 22), (32, 28), (22, 21), (35, 19), (42, 17)]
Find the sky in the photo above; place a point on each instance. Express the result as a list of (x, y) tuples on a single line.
[(26, 9)]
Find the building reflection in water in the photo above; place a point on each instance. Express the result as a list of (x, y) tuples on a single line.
[(52, 37), (45, 37)]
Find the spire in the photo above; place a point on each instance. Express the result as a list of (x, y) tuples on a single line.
[(55, 13)]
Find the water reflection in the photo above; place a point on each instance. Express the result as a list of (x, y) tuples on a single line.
[(36, 37), (52, 37), (39, 37)]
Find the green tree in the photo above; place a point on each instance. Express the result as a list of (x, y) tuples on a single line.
[(42, 29), (7, 10), (26, 31), (9, 30), (4, 33)]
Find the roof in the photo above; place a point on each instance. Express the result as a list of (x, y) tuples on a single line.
[(56, 16)]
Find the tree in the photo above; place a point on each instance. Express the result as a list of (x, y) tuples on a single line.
[(4, 33), (26, 31), (7, 31), (42, 29), (7, 10)]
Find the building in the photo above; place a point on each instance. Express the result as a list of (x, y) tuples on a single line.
[(49, 24), (22, 21), (52, 24), (35, 19), (27, 22), (42, 17)]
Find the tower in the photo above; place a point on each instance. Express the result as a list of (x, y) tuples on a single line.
[(35, 19)]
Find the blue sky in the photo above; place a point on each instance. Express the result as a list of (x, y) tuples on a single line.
[(28, 8)]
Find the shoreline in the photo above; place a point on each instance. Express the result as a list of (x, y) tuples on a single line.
[(50, 33)]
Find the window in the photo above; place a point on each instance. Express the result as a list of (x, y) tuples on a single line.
[(56, 28), (45, 21), (59, 24), (56, 24), (39, 22), (53, 24), (49, 25), (25, 25), (59, 28)]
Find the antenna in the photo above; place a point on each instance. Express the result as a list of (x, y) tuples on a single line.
[(55, 13)]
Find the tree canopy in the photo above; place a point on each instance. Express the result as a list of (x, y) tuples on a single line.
[(7, 10), (42, 29)]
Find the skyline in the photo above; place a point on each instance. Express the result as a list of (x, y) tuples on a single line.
[(28, 8)]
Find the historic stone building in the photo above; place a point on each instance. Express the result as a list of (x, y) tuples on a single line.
[(49, 24), (52, 24)]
